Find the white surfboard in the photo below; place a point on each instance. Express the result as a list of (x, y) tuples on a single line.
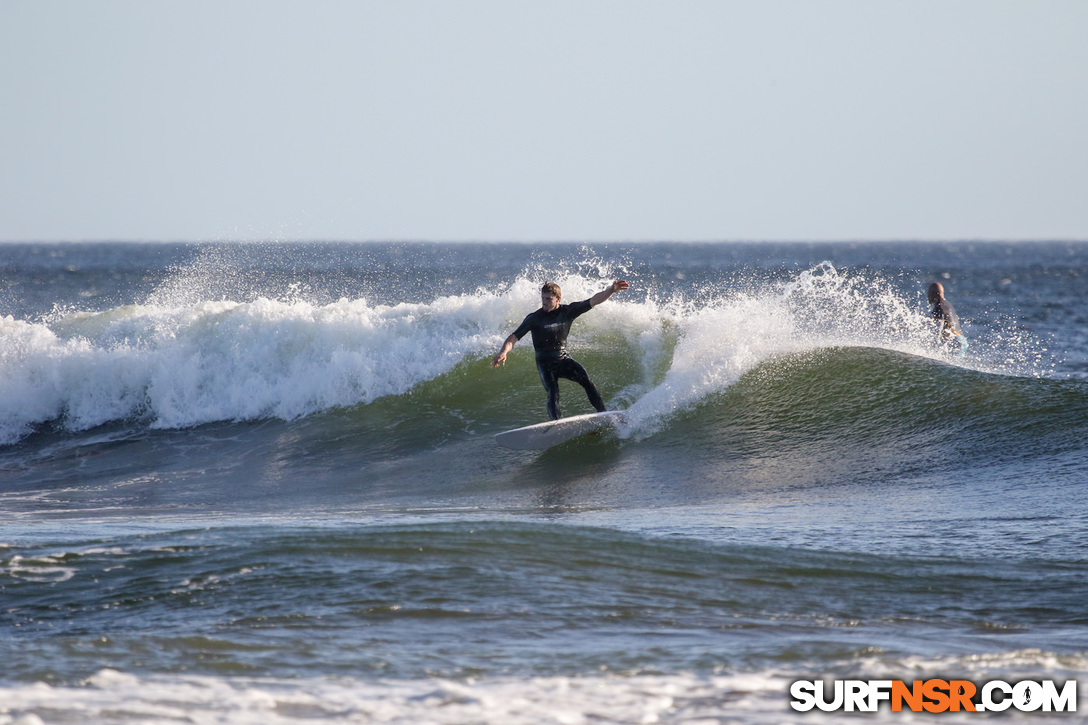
[(554, 432)]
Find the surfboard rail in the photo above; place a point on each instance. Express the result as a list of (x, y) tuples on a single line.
[(553, 432)]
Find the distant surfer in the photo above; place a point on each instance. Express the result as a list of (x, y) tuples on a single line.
[(945, 314), (550, 326)]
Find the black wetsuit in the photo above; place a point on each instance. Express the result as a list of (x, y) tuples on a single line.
[(550, 330), (946, 313), (951, 335)]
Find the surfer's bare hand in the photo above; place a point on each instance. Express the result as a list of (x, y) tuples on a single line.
[(619, 284), (500, 359)]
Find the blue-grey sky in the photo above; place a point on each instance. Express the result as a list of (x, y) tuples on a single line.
[(508, 120)]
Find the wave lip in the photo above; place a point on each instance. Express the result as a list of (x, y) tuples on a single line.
[(176, 364), (213, 361)]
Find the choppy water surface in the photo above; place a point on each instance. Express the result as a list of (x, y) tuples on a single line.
[(256, 483)]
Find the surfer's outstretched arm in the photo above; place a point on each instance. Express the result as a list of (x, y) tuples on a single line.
[(603, 295), (507, 346)]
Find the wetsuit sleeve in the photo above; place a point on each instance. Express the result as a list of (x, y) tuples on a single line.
[(576, 309), (524, 327), (950, 316), (944, 312)]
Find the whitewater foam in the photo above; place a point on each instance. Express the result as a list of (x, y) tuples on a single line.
[(111, 696), (176, 364), (728, 336), (214, 361)]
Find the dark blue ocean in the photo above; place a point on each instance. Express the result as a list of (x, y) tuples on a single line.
[(257, 483)]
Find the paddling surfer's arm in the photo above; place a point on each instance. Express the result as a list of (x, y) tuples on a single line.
[(603, 295), (507, 346)]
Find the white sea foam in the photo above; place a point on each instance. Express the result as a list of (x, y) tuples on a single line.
[(176, 362), (115, 697), (39, 569), (721, 339), (754, 697), (182, 366)]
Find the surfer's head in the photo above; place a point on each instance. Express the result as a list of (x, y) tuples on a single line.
[(936, 293), (550, 294)]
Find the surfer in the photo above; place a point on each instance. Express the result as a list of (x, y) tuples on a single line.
[(945, 313), (550, 326)]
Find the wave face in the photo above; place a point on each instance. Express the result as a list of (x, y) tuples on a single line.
[(181, 357), (212, 361), (740, 373), (257, 483)]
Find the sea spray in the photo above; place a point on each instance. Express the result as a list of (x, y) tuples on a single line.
[(731, 333), (191, 355), (858, 503), (183, 366)]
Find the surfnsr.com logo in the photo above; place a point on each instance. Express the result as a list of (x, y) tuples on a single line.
[(934, 695)]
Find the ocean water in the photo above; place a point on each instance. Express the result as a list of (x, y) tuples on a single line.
[(257, 483)]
